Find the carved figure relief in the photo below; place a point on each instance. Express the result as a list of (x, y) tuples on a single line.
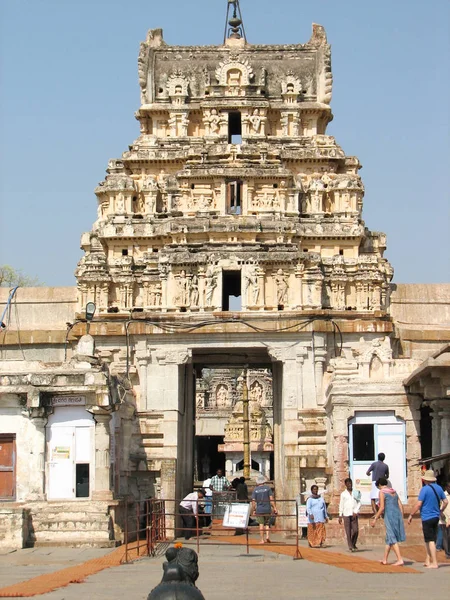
[(222, 396), (194, 292), (210, 284), (183, 295), (213, 122), (252, 284), (256, 123), (282, 287)]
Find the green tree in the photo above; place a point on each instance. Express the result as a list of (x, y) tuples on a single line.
[(10, 277)]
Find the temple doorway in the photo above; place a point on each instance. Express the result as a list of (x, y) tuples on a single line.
[(219, 424)]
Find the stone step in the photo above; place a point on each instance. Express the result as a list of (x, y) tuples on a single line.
[(75, 543), (69, 525), (69, 516), (70, 534)]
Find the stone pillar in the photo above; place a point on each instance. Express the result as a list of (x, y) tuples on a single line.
[(298, 293), (262, 291), (143, 366), (102, 490), (340, 416), (436, 427), (170, 394), (37, 472), (320, 354), (445, 429), (285, 422), (300, 355), (413, 449)]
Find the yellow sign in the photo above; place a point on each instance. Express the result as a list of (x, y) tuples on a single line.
[(61, 452), (363, 485)]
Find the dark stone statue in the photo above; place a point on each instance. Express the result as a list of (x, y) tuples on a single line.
[(180, 575)]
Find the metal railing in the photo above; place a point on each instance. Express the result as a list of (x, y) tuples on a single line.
[(154, 523)]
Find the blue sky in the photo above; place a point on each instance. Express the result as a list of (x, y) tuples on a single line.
[(70, 88)]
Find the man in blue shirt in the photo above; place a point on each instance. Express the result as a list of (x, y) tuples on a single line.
[(429, 504)]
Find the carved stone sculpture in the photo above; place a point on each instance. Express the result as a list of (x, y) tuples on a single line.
[(282, 287)]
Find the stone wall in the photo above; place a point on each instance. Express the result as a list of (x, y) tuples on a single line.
[(421, 315)]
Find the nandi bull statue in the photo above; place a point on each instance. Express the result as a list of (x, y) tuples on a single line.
[(180, 575)]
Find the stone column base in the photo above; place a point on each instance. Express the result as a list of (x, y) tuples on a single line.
[(102, 495)]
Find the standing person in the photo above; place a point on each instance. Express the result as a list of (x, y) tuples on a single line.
[(208, 500), (392, 507), (317, 515), (189, 512), (242, 490), (429, 504), (219, 482), (378, 469), (349, 507), (444, 523), (263, 504)]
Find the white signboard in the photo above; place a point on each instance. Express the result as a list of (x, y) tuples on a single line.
[(236, 515), (67, 400), (303, 520)]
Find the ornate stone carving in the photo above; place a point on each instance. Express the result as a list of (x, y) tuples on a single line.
[(282, 285)]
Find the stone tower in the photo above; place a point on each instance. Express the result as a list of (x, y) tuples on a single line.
[(233, 188)]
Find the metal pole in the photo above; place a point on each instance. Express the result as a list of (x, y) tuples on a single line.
[(126, 530), (297, 556), (246, 424)]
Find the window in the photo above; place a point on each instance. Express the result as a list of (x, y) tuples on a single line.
[(363, 443), (231, 290), (234, 194), (234, 128)]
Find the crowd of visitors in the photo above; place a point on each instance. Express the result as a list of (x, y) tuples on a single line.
[(433, 505)]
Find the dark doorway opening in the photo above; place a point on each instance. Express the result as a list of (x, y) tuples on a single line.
[(231, 290), (363, 443), (426, 444), (234, 195), (209, 459), (234, 128), (82, 480)]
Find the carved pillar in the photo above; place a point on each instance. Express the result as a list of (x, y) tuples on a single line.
[(339, 419), (413, 448), (301, 354), (143, 366), (37, 470), (201, 288), (102, 489), (164, 273), (262, 291), (299, 272)]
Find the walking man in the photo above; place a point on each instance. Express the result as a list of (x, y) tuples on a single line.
[(378, 469), (263, 504), (189, 512), (349, 507), (430, 506)]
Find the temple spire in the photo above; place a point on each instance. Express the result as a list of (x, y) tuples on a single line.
[(234, 25)]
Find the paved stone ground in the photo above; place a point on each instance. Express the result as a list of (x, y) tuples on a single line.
[(225, 571)]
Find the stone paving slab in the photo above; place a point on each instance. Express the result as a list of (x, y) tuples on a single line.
[(226, 571)]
